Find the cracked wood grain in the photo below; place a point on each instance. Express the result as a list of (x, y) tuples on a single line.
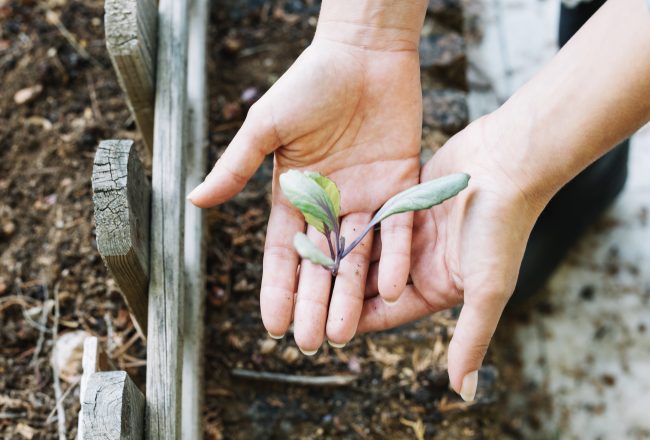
[(131, 42), (121, 197), (112, 407), (94, 360), (166, 285)]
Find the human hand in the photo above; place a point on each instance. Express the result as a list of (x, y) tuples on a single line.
[(467, 250), (350, 108)]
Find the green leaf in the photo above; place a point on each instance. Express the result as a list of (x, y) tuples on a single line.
[(330, 188), (423, 196), (315, 196), (308, 250)]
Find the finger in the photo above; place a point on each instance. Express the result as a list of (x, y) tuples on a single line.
[(279, 269), (377, 315), (347, 296), (476, 324), (254, 140), (372, 280), (395, 258), (312, 300)]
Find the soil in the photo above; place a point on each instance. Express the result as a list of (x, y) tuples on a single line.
[(57, 101)]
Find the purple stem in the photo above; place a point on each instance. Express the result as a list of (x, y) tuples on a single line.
[(328, 235), (356, 241)]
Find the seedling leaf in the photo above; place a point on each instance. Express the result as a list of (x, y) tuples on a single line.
[(308, 250), (330, 188), (423, 196), (315, 196)]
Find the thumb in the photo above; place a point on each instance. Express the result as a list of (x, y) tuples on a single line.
[(476, 324), (255, 139)]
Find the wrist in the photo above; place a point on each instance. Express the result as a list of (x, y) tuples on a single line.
[(527, 143), (389, 25)]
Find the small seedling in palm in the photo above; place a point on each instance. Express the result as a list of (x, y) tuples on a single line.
[(319, 200)]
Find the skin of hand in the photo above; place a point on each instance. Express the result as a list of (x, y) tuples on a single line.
[(350, 108), (468, 250)]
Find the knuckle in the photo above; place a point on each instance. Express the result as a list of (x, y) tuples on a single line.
[(280, 250), (395, 228), (255, 111), (472, 352), (236, 177), (492, 297), (357, 258)]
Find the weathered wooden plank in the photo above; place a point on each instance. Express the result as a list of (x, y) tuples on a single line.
[(121, 195), (113, 407), (193, 363), (94, 359), (166, 288), (131, 42)]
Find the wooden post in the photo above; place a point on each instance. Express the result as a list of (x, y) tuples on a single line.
[(193, 362), (131, 42), (94, 360), (121, 195), (113, 407), (166, 287)]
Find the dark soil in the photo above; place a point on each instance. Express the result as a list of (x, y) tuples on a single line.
[(51, 275)]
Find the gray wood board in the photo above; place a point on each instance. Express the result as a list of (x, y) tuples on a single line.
[(166, 286), (121, 197), (131, 41)]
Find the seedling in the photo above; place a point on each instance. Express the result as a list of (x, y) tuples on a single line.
[(319, 200)]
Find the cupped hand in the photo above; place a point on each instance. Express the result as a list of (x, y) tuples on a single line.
[(467, 250), (352, 113)]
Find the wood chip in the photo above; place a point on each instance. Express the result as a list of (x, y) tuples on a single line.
[(28, 94)]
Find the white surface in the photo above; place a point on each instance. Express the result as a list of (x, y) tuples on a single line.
[(518, 37), (584, 343), (573, 353)]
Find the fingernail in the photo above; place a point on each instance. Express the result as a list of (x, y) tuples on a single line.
[(275, 336), (389, 303), (335, 345), (308, 353), (194, 191), (468, 388)]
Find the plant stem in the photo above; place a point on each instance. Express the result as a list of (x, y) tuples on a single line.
[(328, 235), (357, 240)]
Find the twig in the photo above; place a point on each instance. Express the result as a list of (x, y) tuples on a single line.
[(12, 300), (12, 415), (110, 335), (323, 381), (248, 51), (417, 426), (93, 97), (60, 401), (124, 347), (60, 412), (53, 18), (134, 364), (42, 328)]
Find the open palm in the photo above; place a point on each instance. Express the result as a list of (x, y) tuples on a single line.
[(354, 115)]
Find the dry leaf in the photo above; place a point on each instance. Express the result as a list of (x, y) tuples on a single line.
[(417, 426), (25, 430), (28, 94), (268, 345), (67, 353)]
